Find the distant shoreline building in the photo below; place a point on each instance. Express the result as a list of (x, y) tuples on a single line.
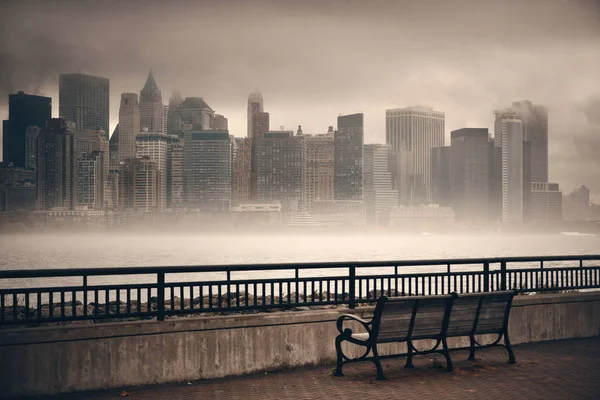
[(56, 166), (151, 106), (84, 100), (418, 130), (24, 111), (129, 125), (348, 157)]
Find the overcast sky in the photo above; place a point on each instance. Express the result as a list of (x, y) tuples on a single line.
[(315, 59)]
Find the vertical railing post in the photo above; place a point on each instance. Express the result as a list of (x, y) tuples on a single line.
[(352, 289), (503, 275), (160, 305), (486, 277), (85, 296)]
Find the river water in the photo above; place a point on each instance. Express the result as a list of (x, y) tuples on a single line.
[(58, 250), (155, 249)]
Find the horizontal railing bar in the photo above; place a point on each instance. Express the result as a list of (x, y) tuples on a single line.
[(64, 272)]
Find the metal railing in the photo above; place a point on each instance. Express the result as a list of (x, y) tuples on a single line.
[(35, 296)]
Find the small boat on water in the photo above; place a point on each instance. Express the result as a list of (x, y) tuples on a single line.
[(577, 234)]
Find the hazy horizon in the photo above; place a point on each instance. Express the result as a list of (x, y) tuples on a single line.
[(315, 60)]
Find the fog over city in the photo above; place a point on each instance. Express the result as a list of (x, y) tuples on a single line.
[(314, 60)]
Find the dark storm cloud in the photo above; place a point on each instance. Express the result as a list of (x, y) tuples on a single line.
[(316, 59)]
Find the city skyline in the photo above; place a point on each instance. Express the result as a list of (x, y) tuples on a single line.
[(304, 87)]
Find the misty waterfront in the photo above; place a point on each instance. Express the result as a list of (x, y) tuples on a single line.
[(57, 250)]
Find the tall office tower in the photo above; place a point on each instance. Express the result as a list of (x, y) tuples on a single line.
[(24, 110), (535, 130), (440, 175), (319, 171), (113, 195), (129, 125), (280, 168), (175, 187), (218, 122), (207, 168), (56, 166), (508, 139), (154, 146), (31, 136), (100, 142), (260, 125), (174, 101), (192, 114), (113, 146), (416, 129), (90, 180), (527, 181), (255, 106), (84, 100), (348, 157), (151, 106), (379, 195), (546, 202), (469, 174), (165, 119), (140, 182), (242, 160), (401, 166)]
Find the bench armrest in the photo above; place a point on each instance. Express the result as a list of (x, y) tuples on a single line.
[(350, 317)]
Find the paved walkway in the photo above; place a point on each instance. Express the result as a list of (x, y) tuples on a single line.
[(567, 369)]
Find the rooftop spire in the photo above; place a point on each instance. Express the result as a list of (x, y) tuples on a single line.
[(150, 82)]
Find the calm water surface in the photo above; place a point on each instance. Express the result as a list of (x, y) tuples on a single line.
[(57, 250), (118, 250)]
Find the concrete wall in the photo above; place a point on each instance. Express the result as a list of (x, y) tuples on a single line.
[(50, 360)]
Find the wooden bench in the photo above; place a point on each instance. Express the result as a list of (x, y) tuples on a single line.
[(412, 318)]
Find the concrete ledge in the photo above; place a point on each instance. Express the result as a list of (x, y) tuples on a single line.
[(51, 360)]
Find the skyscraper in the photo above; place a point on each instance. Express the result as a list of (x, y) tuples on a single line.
[(191, 114), (508, 139), (90, 180), (440, 175), (240, 190), (56, 166), (31, 146), (469, 175), (260, 125), (140, 182), (165, 119), (280, 168), (535, 130), (175, 188), (379, 195), (129, 125), (174, 101), (154, 146), (348, 157), (401, 167), (151, 106), (24, 110), (416, 129), (113, 145), (207, 163), (255, 106), (319, 171), (84, 100)]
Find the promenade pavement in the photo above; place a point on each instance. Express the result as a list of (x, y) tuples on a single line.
[(566, 369)]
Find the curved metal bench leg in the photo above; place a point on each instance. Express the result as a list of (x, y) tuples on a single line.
[(449, 366), (409, 363), (511, 355), (377, 361), (340, 360), (471, 348)]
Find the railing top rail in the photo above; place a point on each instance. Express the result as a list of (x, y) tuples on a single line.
[(68, 272)]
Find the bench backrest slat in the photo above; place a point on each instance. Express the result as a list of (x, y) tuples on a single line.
[(399, 318), (480, 313)]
